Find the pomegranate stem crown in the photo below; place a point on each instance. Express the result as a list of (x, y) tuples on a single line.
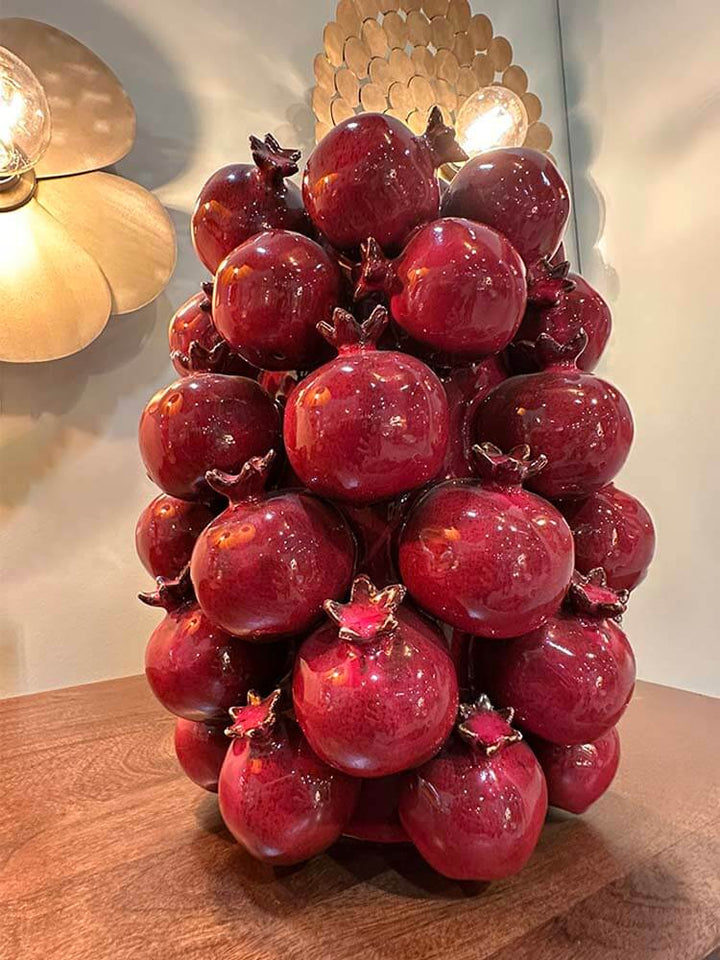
[(376, 271), (549, 353), (207, 288), (485, 728), (506, 469), (246, 485), (255, 720), (171, 594), (199, 358), (271, 159), (346, 331), (546, 283), (590, 595), (370, 613), (440, 140)]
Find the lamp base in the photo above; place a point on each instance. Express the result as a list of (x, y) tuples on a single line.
[(17, 190)]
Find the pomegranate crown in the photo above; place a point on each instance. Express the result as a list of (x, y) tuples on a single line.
[(271, 159), (547, 282), (506, 469), (200, 359), (548, 352), (486, 728), (249, 484), (440, 140), (256, 720), (171, 594), (346, 331), (370, 612), (590, 595), (207, 287), (377, 272)]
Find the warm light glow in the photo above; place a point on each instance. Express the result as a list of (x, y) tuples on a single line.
[(24, 117), (492, 117)]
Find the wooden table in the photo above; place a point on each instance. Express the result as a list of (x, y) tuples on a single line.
[(108, 853)]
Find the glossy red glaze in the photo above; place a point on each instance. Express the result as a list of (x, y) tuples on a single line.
[(264, 567), (375, 696), (193, 323), (277, 798), (581, 423), (369, 425), (166, 532), (376, 819), (371, 177), (458, 287), (578, 775), (204, 422), (491, 559), (243, 199), (200, 749), (612, 530), (376, 527), (519, 192), (270, 294), (475, 811)]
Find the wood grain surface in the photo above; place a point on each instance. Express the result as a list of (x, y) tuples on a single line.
[(108, 853)]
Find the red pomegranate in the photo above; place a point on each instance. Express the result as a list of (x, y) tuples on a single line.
[(376, 818), (580, 774), (204, 422), (200, 749), (370, 177), (488, 558), (612, 530), (279, 800), (243, 199), (195, 669), (372, 694), (166, 532), (370, 424), (263, 568), (458, 287), (581, 423), (571, 679), (270, 294), (476, 810), (519, 192), (195, 344)]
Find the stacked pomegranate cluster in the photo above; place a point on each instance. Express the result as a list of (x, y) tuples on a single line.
[(376, 524)]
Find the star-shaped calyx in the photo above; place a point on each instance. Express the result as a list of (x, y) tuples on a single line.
[(171, 594), (370, 612), (506, 469), (485, 728), (590, 595), (256, 719)]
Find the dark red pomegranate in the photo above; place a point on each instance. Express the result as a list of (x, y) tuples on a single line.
[(488, 558), (200, 749), (279, 800), (372, 694), (369, 425), (458, 287), (270, 294), (370, 177), (166, 532), (195, 344), (581, 423), (612, 530), (519, 192), (376, 818), (204, 422), (264, 567), (475, 811), (243, 199), (580, 774), (195, 669), (571, 679)]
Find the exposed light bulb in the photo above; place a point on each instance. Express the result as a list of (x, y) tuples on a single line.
[(24, 117), (492, 117)]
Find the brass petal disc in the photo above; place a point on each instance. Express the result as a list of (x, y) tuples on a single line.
[(374, 36), (423, 62), (533, 106), (333, 41), (466, 82), (321, 104), (417, 122), (435, 8), (381, 73), (324, 72), (347, 85), (341, 110), (515, 79), (54, 297), (459, 15), (418, 27), (93, 120), (409, 5), (422, 94), (463, 49), (401, 99), (500, 52), (480, 31), (441, 33), (446, 66), (348, 16), (395, 29), (401, 65), (123, 226), (539, 136), (357, 57), (372, 97), (483, 69)]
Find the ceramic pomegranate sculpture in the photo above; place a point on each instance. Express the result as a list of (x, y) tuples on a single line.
[(581, 423), (200, 749), (266, 564), (166, 532), (195, 344), (277, 798), (489, 558), (370, 177), (571, 679), (243, 199), (369, 425), (475, 811), (372, 693), (580, 774), (195, 669)]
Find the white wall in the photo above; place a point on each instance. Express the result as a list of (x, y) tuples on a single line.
[(203, 76), (644, 98)]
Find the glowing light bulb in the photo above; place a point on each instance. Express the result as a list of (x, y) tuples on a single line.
[(24, 117), (492, 117)]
